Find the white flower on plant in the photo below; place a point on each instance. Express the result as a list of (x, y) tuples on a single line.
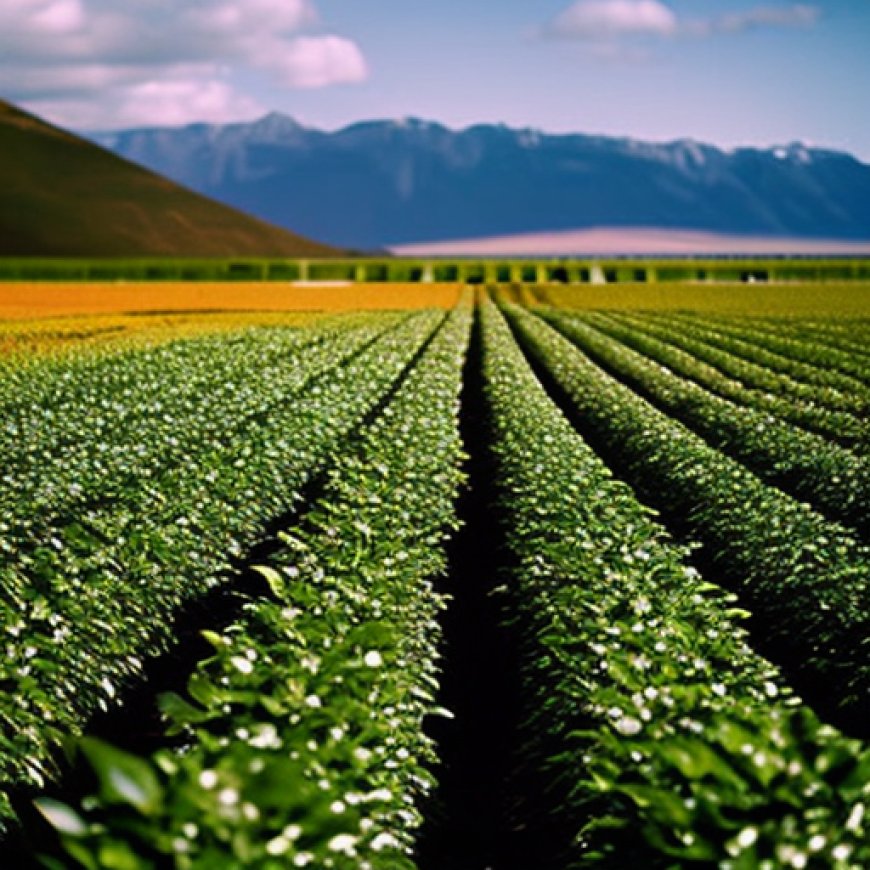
[(628, 726), (278, 846), (208, 778), (747, 837), (841, 852), (266, 737), (817, 843), (384, 841), (856, 816), (310, 663), (242, 664), (373, 659), (228, 797), (344, 843)]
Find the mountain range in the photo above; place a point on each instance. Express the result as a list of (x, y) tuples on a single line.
[(61, 195), (383, 183)]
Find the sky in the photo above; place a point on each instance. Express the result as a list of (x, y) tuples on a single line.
[(751, 72)]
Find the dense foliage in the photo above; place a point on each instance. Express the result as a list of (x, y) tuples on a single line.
[(669, 738), (805, 576), (107, 533), (812, 361), (307, 469), (833, 479), (657, 342), (762, 369), (303, 739)]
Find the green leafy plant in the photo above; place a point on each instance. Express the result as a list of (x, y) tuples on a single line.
[(805, 576), (303, 732), (99, 558), (664, 737), (833, 479), (671, 347)]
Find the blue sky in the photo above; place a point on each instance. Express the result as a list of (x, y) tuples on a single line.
[(755, 72)]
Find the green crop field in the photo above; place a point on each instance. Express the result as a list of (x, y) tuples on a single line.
[(551, 579)]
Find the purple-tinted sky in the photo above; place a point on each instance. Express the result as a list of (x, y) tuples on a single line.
[(730, 73)]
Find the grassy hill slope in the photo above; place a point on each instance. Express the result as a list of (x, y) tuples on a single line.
[(63, 196)]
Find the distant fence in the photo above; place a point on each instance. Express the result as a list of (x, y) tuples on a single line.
[(466, 271)]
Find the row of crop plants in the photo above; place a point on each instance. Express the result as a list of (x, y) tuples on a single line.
[(25, 340), (84, 429), (814, 352), (662, 345), (661, 738), (830, 477), (302, 735), (110, 524), (852, 336), (668, 741), (805, 576), (748, 370), (817, 381), (848, 334)]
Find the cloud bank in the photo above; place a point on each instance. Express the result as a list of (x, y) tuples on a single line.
[(797, 15), (599, 19), (101, 63), (611, 23)]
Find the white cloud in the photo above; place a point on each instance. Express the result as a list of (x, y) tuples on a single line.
[(165, 54), (235, 19), (66, 80), (796, 15), (175, 101), (598, 20), (607, 25), (57, 16), (170, 102), (317, 61)]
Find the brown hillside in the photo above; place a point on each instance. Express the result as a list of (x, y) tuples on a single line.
[(61, 195)]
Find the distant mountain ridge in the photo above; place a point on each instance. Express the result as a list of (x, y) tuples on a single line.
[(381, 183), (61, 195)]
